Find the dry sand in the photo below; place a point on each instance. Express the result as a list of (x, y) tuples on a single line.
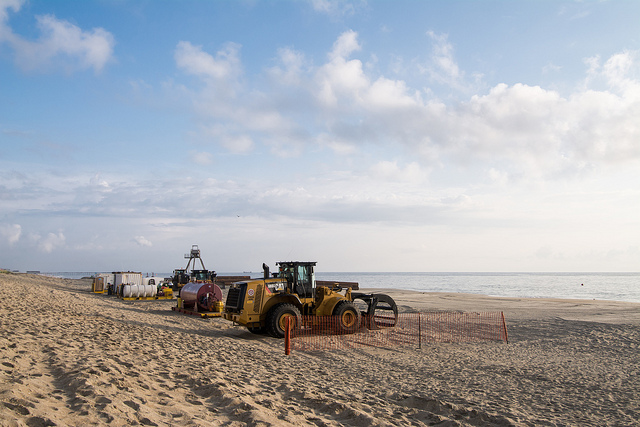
[(73, 358)]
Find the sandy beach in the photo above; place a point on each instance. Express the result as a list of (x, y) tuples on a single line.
[(73, 358)]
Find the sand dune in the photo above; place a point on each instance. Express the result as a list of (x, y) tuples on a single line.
[(72, 358)]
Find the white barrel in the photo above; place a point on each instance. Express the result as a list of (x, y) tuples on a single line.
[(150, 286), (126, 291), (143, 287)]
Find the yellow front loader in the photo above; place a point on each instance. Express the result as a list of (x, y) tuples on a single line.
[(263, 305)]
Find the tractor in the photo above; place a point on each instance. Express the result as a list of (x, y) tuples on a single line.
[(263, 305)]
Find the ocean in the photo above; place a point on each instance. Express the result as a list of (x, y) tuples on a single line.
[(599, 286)]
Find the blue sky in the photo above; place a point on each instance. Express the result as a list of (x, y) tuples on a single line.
[(367, 136)]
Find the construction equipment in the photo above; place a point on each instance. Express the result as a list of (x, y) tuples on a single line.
[(263, 305), (179, 279), (199, 292), (147, 288), (182, 276), (98, 285), (200, 298)]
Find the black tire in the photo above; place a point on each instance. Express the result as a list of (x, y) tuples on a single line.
[(258, 330), (348, 317), (277, 317)]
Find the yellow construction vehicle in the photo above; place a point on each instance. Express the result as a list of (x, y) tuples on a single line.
[(263, 305)]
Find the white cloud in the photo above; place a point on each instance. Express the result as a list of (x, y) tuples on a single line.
[(60, 45), (238, 143), (621, 71), (538, 131), (322, 5), (388, 170), (363, 198), (51, 241), (501, 178), (515, 130), (5, 5), (230, 137), (142, 241), (193, 60), (337, 8), (340, 146), (11, 232), (551, 68), (345, 45), (390, 95), (201, 158), (341, 81), (291, 68), (506, 118), (443, 68), (100, 183)]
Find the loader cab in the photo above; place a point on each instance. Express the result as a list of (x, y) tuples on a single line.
[(202, 275), (301, 279), (179, 278)]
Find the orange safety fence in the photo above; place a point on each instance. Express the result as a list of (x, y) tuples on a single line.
[(408, 329)]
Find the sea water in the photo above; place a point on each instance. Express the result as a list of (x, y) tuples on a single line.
[(599, 286)]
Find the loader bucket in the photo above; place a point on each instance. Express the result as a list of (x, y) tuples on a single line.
[(382, 311)]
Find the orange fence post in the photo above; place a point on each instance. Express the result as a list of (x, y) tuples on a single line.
[(287, 336), (504, 325), (419, 331)]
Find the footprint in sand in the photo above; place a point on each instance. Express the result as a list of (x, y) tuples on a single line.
[(20, 409), (131, 404)]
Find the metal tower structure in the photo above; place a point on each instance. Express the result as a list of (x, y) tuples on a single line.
[(193, 256)]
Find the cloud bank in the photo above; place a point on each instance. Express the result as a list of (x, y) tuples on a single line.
[(517, 129)]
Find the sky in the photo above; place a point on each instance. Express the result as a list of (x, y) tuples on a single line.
[(417, 136)]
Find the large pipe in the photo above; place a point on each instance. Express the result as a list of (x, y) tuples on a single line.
[(200, 294)]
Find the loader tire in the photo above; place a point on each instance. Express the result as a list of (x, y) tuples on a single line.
[(348, 317), (258, 330), (277, 318)]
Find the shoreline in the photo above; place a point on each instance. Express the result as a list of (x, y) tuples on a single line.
[(608, 311), (71, 357), (610, 286)]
